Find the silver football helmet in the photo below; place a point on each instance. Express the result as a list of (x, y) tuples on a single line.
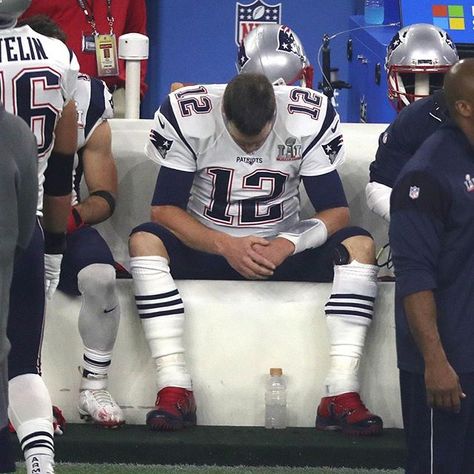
[(417, 59), (10, 10), (276, 52)]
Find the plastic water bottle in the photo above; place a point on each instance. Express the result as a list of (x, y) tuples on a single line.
[(374, 12), (275, 400)]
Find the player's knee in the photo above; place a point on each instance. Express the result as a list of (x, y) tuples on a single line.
[(360, 248), (96, 279), (143, 243)]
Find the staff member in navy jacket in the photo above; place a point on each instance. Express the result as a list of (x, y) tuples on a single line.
[(432, 239)]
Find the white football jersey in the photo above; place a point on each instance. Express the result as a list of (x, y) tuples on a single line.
[(238, 192), (94, 106), (38, 77)]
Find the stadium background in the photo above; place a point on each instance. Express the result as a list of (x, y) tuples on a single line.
[(195, 41)]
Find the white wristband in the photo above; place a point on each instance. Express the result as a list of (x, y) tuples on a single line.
[(307, 234)]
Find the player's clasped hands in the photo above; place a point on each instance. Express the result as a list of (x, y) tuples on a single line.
[(242, 257)]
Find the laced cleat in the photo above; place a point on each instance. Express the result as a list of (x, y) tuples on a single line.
[(99, 407), (175, 409), (348, 414)]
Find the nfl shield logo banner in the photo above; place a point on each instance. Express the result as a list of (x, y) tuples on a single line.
[(247, 17)]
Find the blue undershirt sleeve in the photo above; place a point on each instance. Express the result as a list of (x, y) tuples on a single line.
[(325, 191), (172, 188)]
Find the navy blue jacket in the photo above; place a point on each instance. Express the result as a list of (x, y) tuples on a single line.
[(432, 240), (413, 125)]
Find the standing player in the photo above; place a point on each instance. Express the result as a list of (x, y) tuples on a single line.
[(88, 267), (18, 200), (39, 76), (417, 59), (226, 206)]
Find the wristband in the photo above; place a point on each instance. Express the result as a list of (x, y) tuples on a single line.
[(108, 197), (307, 234), (54, 242), (74, 221), (58, 174)]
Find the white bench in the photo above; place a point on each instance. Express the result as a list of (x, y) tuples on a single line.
[(234, 331)]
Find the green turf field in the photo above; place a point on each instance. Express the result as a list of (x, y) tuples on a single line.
[(185, 469)]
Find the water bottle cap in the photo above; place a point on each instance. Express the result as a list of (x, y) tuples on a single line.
[(276, 372)]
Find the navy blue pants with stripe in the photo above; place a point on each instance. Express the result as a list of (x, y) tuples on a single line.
[(26, 313), (85, 247), (312, 265), (438, 442)]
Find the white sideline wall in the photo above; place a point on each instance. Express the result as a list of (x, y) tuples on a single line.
[(235, 331)]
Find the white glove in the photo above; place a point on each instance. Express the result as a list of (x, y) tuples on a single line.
[(52, 270)]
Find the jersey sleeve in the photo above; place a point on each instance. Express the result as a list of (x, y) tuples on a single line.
[(100, 106), (418, 209), (167, 145), (324, 151), (69, 82)]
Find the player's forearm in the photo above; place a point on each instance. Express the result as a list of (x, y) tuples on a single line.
[(420, 309), (188, 230), (55, 212), (94, 210)]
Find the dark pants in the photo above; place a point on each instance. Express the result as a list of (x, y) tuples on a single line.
[(313, 265), (438, 442), (26, 313), (84, 247)]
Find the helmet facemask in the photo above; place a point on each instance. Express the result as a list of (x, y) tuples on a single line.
[(418, 57)]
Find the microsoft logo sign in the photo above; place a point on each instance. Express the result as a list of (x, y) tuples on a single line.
[(449, 17)]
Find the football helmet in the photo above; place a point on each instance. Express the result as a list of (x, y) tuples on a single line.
[(10, 10), (418, 57), (276, 52)]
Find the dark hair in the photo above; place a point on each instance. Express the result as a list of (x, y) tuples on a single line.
[(249, 103), (44, 25)]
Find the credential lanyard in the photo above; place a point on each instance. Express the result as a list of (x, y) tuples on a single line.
[(88, 11)]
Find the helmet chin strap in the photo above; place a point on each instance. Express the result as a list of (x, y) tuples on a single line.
[(422, 86)]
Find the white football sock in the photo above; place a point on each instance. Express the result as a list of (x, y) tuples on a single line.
[(30, 413), (349, 313), (99, 316), (161, 311), (39, 464)]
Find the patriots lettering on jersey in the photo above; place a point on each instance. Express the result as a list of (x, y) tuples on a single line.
[(162, 144), (251, 160), (20, 48), (333, 147), (290, 151)]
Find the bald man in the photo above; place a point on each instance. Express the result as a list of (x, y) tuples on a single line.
[(432, 239)]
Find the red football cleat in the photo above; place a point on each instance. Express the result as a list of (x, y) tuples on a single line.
[(59, 422), (175, 409), (348, 414)]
